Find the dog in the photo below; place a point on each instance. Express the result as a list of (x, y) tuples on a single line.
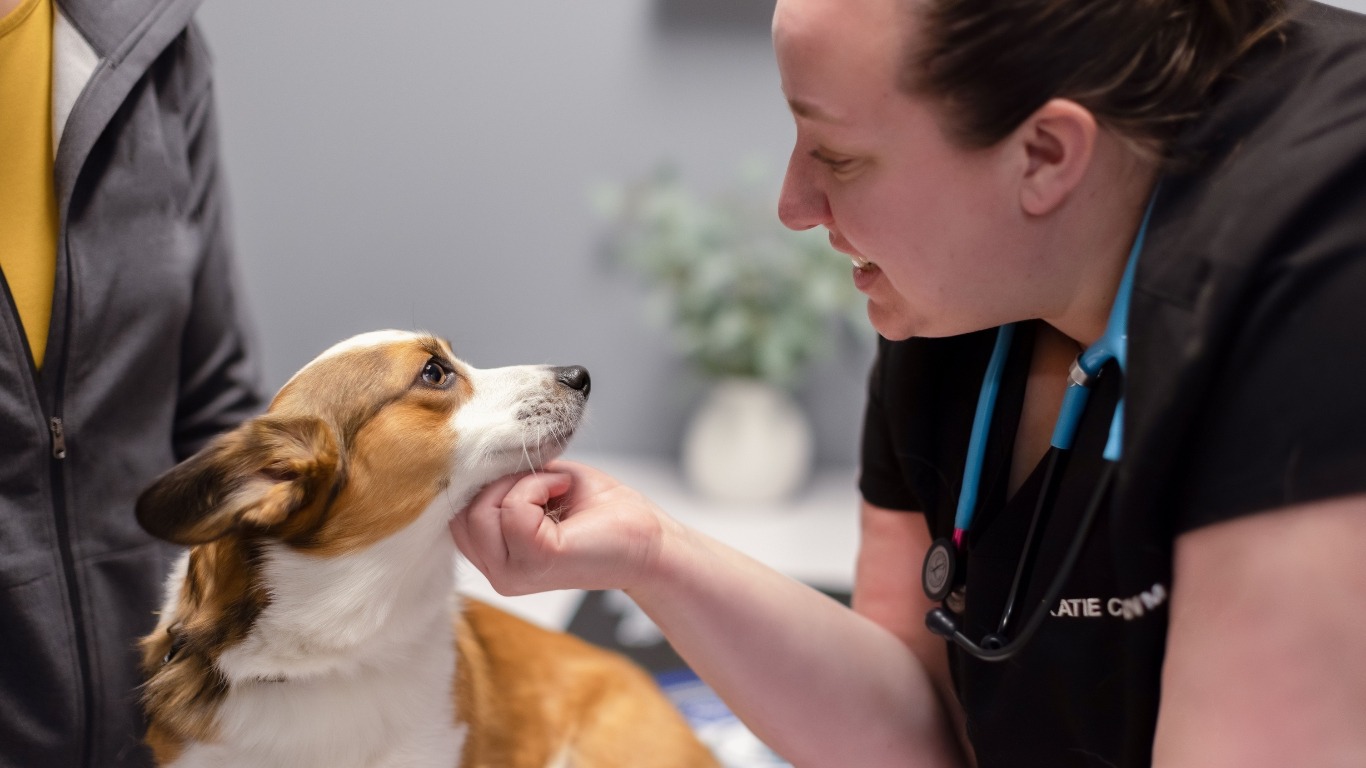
[(313, 620)]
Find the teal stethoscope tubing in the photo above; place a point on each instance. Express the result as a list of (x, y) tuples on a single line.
[(1112, 345)]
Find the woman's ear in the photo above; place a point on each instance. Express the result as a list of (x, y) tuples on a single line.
[(1058, 141), (254, 477)]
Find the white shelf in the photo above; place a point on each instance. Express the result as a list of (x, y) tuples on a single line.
[(812, 537)]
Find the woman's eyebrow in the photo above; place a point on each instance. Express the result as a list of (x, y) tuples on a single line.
[(810, 111)]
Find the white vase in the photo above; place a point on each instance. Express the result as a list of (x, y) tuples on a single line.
[(748, 442)]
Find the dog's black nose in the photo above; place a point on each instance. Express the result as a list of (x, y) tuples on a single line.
[(574, 377)]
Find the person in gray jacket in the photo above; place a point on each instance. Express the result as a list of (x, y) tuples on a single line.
[(147, 356)]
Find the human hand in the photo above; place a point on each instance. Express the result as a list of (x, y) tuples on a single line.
[(568, 526)]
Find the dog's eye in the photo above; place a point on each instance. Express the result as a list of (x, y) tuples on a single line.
[(437, 374)]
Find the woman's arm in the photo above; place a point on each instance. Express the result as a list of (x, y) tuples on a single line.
[(1266, 653), (887, 589), (822, 685)]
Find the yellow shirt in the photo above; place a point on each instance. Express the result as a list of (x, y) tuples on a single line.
[(28, 198)]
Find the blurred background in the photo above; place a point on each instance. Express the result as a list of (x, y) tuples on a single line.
[(434, 165)]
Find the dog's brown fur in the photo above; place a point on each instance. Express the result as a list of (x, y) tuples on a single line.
[(351, 451), (507, 665)]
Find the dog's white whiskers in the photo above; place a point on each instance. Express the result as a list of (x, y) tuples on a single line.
[(526, 455)]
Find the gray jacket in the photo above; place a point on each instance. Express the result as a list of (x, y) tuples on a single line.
[(148, 357)]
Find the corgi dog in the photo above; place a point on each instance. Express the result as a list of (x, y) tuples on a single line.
[(313, 620)]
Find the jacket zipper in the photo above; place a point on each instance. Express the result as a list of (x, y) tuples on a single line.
[(57, 430), (56, 426), (73, 590), (58, 437)]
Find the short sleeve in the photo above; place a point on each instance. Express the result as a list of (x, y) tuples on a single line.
[(1284, 420)]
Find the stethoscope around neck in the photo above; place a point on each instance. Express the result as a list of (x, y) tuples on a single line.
[(942, 573)]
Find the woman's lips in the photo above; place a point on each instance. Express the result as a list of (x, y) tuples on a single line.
[(865, 271), (865, 274)]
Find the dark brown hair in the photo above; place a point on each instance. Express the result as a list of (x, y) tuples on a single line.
[(1142, 67)]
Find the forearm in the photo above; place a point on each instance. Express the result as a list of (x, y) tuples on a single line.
[(821, 684), (817, 682)]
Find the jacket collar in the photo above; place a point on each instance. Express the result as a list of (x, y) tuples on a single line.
[(110, 26), (121, 39)]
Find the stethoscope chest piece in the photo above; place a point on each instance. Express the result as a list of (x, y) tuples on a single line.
[(939, 575)]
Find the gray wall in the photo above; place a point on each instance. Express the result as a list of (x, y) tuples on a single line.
[(427, 164)]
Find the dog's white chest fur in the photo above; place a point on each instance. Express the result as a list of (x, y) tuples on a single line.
[(377, 717), (317, 626), (351, 664)]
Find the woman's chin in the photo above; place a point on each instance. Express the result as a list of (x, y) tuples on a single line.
[(891, 323)]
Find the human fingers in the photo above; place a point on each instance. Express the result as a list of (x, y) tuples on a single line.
[(610, 535), (587, 481), (477, 530), (524, 513)]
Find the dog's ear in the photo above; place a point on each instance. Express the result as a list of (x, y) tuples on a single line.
[(254, 477)]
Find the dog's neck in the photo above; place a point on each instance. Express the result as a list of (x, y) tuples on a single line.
[(332, 615), (350, 663)]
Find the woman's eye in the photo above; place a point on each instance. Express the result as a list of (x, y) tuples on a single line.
[(834, 164), (436, 374)]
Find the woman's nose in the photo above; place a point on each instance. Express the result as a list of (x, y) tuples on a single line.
[(802, 203)]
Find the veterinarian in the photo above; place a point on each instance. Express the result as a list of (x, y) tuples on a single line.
[(122, 350), (1183, 585)]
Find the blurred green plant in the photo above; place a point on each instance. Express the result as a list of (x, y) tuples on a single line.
[(744, 295)]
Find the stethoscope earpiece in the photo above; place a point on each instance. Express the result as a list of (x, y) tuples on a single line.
[(942, 623), (993, 642)]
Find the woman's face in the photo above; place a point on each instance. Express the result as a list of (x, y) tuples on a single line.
[(938, 225)]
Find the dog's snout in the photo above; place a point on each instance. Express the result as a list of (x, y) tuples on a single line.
[(574, 377)]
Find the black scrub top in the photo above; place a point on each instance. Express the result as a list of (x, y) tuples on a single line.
[(1244, 393), (1059, 698)]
